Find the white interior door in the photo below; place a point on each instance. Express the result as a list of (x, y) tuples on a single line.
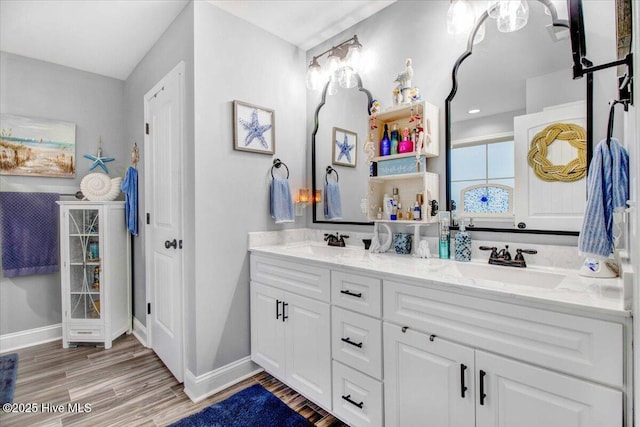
[(163, 184), (545, 205)]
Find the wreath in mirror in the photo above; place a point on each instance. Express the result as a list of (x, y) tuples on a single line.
[(575, 170)]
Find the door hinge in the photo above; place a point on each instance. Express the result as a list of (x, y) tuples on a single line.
[(146, 128), (148, 218), (148, 308)]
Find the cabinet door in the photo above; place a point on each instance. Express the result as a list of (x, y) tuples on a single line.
[(267, 329), (424, 380), (308, 348), (521, 395), (84, 274)]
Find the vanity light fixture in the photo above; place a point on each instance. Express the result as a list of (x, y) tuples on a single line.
[(301, 201), (343, 64)]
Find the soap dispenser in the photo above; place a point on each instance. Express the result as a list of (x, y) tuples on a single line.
[(462, 244)]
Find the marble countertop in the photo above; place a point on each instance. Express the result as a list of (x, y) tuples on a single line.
[(548, 287)]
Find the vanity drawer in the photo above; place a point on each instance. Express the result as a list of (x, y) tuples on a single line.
[(357, 293), (357, 341), (84, 332), (307, 280), (357, 398), (581, 346)]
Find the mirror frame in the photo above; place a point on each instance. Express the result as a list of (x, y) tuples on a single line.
[(313, 151), (556, 22)]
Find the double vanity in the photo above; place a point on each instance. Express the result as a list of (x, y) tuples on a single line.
[(386, 339)]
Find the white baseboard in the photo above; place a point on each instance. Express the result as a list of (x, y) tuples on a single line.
[(22, 339), (203, 386), (140, 332)]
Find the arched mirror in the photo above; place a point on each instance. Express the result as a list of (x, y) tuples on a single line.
[(341, 128), (507, 88)]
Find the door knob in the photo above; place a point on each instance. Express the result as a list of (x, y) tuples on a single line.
[(168, 244)]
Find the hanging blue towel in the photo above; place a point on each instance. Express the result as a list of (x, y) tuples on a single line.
[(332, 202), (130, 187), (281, 203), (607, 191), (29, 233)]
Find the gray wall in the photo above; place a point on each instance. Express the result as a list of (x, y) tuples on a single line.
[(175, 45), (35, 88), (236, 60)]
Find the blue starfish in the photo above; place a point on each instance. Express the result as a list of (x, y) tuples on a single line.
[(98, 160), (255, 130), (345, 149)]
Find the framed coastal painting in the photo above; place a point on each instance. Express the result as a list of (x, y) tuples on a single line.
[(253, 128), (37, 147), (345, 147)]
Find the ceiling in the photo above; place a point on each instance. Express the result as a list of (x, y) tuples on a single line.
[(110, 37)]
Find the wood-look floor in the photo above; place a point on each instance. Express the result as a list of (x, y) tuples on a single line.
[(126, 385)]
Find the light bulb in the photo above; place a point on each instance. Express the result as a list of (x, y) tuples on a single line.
[(334, 63), (354, 56), (460, 17)]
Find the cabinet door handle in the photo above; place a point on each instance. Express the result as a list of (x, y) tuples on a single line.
[(348, 399), (278, 309), (173, 243), (348, 341), (284, 315), (463, 387), (482, 393), (348, 292)]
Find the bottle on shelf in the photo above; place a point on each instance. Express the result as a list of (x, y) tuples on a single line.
[(385, 142), (395, 138), (405, 146)]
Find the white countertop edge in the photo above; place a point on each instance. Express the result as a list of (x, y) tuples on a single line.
[(553, 299)]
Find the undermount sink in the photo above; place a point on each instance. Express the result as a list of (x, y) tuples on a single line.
[(322, 250), (510, 275)]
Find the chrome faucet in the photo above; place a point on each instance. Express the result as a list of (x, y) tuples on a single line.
[(503, 257), (335, 239)]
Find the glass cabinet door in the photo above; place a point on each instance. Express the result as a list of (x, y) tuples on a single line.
[(84, 264)]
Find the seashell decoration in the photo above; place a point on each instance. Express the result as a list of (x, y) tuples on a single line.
[(99, 187)]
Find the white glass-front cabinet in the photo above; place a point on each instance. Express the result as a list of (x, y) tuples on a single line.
[(96, 272)]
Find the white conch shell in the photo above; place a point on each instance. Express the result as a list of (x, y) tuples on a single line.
[(99, 187)]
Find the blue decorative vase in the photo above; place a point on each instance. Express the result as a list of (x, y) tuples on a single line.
[(402, 243)]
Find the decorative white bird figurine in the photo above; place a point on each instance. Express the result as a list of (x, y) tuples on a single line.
[(404, 78)]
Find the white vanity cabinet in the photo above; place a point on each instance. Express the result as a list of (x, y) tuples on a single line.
[(569, 372), (96, 272), (290, 333)]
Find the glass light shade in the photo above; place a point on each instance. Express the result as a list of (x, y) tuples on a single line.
[(303, 195), (460, 17), (347, 78), (354, 56), (334, 63), (513, 15), (492, 8), (315, 76), (317, 198), (332, 89)]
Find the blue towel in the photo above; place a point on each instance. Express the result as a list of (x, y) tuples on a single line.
[(607, 191), (332, 203), (29, 233), (281, 203), (130, 187)]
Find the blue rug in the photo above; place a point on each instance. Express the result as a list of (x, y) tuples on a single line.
[(8, 372), (252, 407)]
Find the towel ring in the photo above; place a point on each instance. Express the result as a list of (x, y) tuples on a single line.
[(329, 170), (276, 164)]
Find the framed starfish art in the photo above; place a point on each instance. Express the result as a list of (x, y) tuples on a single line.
[(345, 147), (253, 128)]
